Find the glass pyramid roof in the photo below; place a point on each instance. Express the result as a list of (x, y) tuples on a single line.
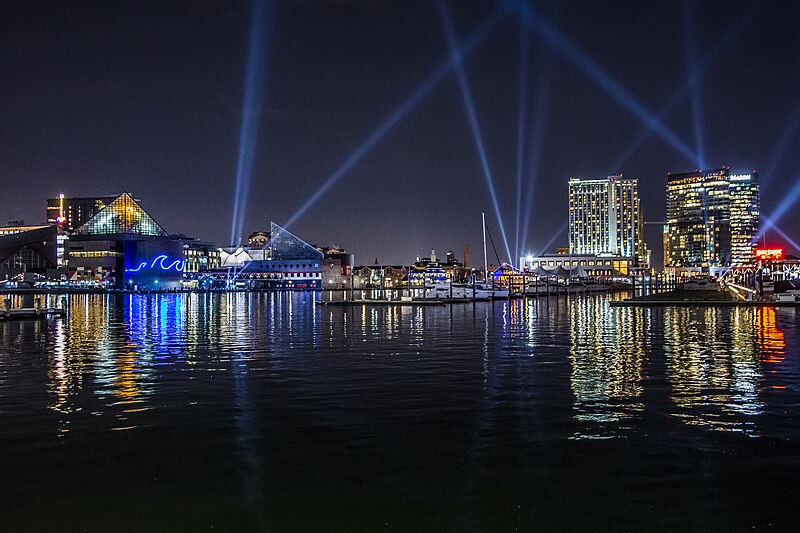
[(122, 216), (284, 245)]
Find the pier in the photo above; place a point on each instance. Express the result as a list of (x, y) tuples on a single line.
[(36, 312)]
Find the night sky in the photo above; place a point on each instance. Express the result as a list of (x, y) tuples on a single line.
[(104, 97)]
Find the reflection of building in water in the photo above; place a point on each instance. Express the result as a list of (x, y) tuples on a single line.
[(65, 373), (99, 337), (771, 340), (73, 351), (712, 363), (607, 352)]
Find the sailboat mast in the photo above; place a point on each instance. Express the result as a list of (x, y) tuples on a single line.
[(485, 263)]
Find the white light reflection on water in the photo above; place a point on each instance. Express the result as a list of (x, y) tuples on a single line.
[(714, 367), (440, 404), (607, 353)]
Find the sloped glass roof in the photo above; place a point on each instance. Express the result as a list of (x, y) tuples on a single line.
[(122, 216), (285, 245)]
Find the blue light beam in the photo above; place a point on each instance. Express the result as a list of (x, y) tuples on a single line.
[(251, 114), (549, 34), (540, 112), (555, 236), (690, 45), (785, 237), (787, 135), (522, 109), (400, 112), (466, 96), (733, 34), (787, 203)]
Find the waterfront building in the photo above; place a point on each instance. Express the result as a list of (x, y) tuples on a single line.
[(122, 246), (709, 212), (337, 267), (605, 218), (27, 249), (70, 214), (198, 255), (258, 239), (377, 276), (605, 265), (284, 262), (506, 276), (12, 229), (433, 271), (745, 214)]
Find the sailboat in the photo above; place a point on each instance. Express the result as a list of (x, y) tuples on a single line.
[(474, 289), (487, 287)]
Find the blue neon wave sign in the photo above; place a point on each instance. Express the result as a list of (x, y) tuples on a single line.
[(158, 261)]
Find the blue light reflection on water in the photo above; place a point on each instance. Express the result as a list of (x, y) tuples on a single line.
[(254, 409)]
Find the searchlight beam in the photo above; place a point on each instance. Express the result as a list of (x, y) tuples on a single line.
[(469, 104)]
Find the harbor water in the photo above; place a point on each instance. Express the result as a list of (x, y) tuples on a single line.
[(266, 412)]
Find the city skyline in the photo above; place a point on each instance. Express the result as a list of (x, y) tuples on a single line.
[(109, 111)]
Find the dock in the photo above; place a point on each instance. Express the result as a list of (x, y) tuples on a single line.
[(38, 311), (701, 303), (341, 303), (31, 312)]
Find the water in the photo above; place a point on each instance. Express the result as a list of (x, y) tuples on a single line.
[(266, 412)]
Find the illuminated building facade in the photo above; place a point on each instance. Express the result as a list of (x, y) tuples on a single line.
[(605, 265), (337, 268), (18, 228), (71, 213), (123, 247), (198, 255), (432, 270), (27, 249), (709, 213), (605, 218), (284, 262), (745, 211), (377, 276)]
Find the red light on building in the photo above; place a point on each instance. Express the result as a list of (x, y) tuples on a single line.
[(769, 253)]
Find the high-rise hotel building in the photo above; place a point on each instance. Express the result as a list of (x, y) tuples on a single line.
[(745, 212), (712, 219), (605, 218)]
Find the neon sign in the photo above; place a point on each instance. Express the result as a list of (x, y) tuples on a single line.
[(769, 253), (178, 265)]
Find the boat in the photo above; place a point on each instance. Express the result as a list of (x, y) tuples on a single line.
[(540, 287), (592, 285), (788, 296), (463, 291)]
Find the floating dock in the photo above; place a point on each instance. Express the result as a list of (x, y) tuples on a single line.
[(31, 312), (701, 303), (384, 302)]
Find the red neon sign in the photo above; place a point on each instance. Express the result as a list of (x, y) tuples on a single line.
[(769, 253)]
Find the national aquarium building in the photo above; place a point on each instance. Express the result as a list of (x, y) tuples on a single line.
[(279, 260), (123, 247)]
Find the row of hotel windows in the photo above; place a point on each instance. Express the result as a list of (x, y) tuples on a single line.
[(281, 275), (285, 265), (103, 253), (584, 262)]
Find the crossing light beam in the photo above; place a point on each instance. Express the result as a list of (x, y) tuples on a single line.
[(466, 96), (251, 113), (408, 104), (550, 34)]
